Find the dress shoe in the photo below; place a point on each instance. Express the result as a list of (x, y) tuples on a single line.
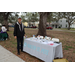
[(18, 53), (21, 50)]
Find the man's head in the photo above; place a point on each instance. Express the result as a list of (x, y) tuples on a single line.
[(19, 20)]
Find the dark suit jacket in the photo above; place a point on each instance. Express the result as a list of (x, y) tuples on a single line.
[(17, 30)]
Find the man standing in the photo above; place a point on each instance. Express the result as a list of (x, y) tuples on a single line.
[(19, 34)]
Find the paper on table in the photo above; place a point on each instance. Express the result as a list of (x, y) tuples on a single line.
[(50, 42), (44, 43), (31, 39), (39, 41), (28, 39)]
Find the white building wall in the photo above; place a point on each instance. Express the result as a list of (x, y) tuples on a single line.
[(63, 23), (73, 25)]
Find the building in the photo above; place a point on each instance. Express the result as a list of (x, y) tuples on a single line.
[(37, 23), (25, 24), (54, 24), (63, 23), (73, 25), (30, 24)]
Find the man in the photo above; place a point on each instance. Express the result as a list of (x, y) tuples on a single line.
[(19, 34)]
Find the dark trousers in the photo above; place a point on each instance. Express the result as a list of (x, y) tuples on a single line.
[(20, 42)]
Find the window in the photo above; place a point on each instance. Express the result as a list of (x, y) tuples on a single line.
[(66, 20), (66, 25)]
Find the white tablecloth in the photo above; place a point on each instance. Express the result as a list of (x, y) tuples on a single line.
[(43, 49)]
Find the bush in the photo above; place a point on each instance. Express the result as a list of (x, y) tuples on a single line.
[(72, 28)]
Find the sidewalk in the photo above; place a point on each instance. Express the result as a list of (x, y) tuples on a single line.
[(7, 56)]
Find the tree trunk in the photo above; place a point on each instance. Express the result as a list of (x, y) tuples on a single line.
[(5, 16), (6, 23), (42, 24), (29, 24), (69, 26)]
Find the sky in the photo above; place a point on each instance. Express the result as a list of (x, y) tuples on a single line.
[(19, 14)]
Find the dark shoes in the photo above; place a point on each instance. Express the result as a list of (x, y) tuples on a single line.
[(21, 50), (18, 53)]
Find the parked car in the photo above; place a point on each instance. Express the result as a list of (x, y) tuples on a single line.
[(27, 27), (49, 28), (33, 27), (24, 26), (11, 25)]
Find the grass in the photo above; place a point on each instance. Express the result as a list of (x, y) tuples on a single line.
[(67, 47), (74, 51), (73, 29), (67, 39)]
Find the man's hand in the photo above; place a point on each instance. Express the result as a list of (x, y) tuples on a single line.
[(24, 35), (15, 37)]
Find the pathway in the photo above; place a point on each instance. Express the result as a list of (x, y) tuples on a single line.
[(7, 56)]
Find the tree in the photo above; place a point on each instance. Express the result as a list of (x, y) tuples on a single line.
[(70, 17), (32, 17), (50, 18), (42, 24), (1, 18), (28, 17), (35, 17), (23, 18), (13, 17), (6, 17)]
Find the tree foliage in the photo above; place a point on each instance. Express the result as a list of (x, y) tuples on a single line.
[(70, 17), (6, 17), (13, 17)]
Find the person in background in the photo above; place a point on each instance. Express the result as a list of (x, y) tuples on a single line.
[(3, 29), (19, 34)]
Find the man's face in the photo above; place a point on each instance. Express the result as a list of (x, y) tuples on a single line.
[(19, 20)]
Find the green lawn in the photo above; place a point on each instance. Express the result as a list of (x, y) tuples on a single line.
[(73, 29)]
